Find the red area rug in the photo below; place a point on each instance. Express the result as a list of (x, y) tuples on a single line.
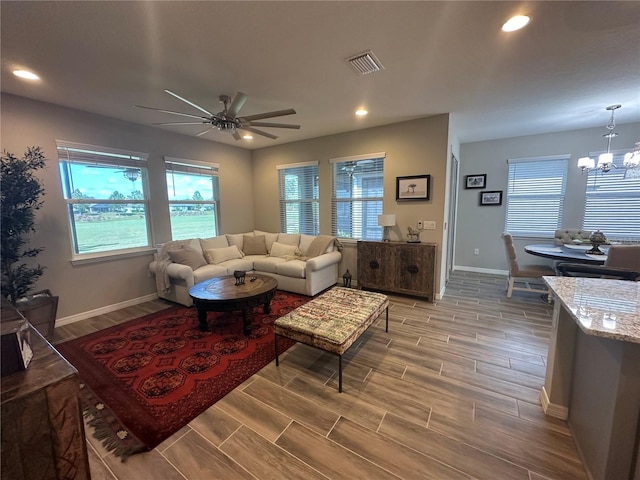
[(147, 378)]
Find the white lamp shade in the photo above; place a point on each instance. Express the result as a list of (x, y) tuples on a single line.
[(632, 159), (605, 158), (387, 220), (586, 162)]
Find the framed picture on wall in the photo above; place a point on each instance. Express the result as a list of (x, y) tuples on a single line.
[(415, 187), (475, 181), (491, 198)]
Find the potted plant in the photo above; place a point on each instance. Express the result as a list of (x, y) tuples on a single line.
[(21, 192)]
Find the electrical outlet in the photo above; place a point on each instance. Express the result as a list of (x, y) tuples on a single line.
[(419, 225), (476, 251), (428, 225)]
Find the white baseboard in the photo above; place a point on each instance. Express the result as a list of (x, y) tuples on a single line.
[(102, 310), (491, 271), (557, 411)]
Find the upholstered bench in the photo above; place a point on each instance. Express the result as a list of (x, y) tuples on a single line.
[(333, 321)]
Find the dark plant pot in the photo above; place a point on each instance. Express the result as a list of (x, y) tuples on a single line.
[(40, 309)]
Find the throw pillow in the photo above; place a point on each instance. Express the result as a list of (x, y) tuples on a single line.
[(289, 238), (269, 238), (219, 255), (187, 256), (254, 245), (214, 242), (282, 250)]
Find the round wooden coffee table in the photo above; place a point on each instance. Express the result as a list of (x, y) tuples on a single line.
[(221, 294)]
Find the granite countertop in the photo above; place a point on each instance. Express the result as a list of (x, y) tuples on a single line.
[(603, 308)]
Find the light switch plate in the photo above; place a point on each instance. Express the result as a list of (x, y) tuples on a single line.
[(429, 224)]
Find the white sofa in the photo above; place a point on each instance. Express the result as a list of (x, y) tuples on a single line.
[(294, 260)]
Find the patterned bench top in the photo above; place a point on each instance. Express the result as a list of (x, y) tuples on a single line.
[(334, 320)]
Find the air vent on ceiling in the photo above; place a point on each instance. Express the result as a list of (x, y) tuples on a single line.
[(365, 63)]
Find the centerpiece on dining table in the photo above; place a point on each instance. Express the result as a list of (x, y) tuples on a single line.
[(597, 239)]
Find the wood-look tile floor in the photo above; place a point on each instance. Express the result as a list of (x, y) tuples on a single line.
[(450, 392)]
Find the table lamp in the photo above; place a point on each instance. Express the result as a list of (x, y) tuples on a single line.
[(386, 221)]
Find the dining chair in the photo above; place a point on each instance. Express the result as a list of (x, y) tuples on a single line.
[(625, 256), (524, 275), (597, 271)]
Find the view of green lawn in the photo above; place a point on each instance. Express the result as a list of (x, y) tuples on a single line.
[(113, 232)]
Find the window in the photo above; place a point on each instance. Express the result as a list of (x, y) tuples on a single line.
[(106, 194), (535, 185), (612, 202), (357, 194), (299, 207), (194, 194)]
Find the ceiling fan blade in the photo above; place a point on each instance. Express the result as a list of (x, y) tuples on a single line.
[(236, 104), (204, 131), (236, 135), (258, 132), (278, 113), (172, 112), (189, 103), (274, 125), (180, 123)]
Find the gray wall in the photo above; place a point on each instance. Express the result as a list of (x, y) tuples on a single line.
[(481, 227), (86, 287), (416, 147)]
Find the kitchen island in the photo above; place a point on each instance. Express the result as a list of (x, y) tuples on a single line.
[(593, 371)]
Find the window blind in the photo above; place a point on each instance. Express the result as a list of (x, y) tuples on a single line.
[(357, 194), (535, 195), (194, 193), (299, 198), (612, 202)]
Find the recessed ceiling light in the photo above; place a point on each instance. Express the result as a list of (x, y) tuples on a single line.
[(361, 112), (515, 23), (26, 74), (247, 137)]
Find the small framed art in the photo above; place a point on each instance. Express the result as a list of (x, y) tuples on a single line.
[(415, 187), (475, 181), (491, 198)]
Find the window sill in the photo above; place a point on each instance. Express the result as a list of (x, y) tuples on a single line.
[(108, 256)]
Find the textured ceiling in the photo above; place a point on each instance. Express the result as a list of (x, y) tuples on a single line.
[(559, 73)]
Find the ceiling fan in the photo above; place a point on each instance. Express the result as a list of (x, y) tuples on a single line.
[(227, 120)]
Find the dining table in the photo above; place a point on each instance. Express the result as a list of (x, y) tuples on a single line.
[(568, 253)]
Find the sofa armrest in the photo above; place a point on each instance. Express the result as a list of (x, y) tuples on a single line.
[(323, 261), (177, 271)]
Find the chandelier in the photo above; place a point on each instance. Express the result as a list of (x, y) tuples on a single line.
[(605, 160)]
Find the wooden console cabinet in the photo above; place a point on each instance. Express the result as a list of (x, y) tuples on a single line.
[(400, 267), (41, 417)]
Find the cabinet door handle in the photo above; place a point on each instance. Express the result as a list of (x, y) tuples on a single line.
[(413, 269), (374, 264)]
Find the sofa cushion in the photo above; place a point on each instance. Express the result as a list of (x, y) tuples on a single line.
[(207, 272), (236, 238), (237, 264), (214, 242), (281, 250), (289, 238), (292, 268), (269, 238), (267, 264), (187, 256), (254, 245), (305, 241), (219, 255)]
